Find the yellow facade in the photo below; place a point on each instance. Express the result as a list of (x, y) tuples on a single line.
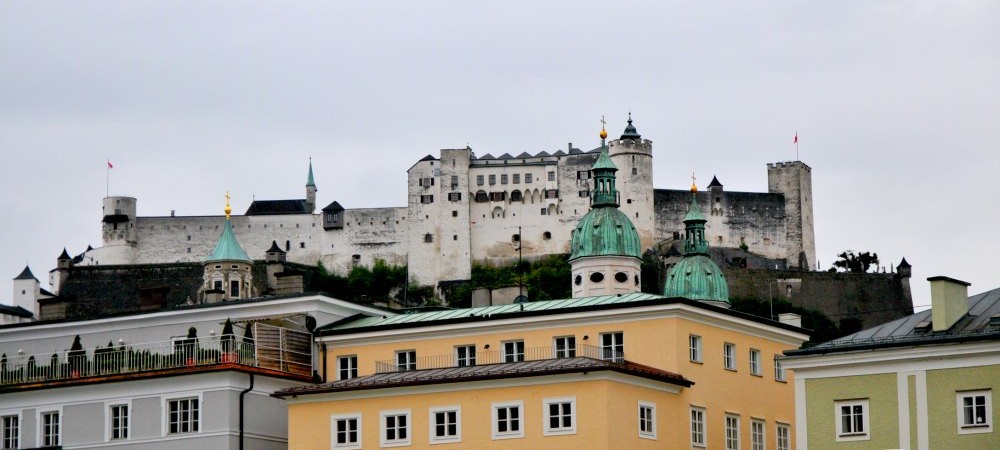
[(607, 408)]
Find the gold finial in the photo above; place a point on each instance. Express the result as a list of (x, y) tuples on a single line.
[(694, 186), (604, 133), (228, 209)]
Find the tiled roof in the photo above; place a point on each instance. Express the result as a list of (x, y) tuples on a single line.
[(487, 372), (274, 207), (976, 325)]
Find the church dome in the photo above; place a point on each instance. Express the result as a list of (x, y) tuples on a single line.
[(605, 232), (697, 277), (228, 249)]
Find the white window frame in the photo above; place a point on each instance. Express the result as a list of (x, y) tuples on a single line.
[(16, 435), (783, 436), (616, 346), (547, 416), (564, 346), (729, 356), (513, 348), (732, 435), (39, 419), (494, 420), (974, 428), (432, 421), (351, 369), (779, 371), (467, 360), (758, 434), (755, 363), (334, 431), (696, 421), (842, 436), (408, 363), (407, 428), (165, 407), (647, 431), (109, 420), (694, 348)]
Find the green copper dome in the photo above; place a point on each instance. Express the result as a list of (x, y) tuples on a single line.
[(605, 232), (228, 249), (696, 276)]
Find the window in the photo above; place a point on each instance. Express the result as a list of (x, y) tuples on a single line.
[(395, 428), (516, 196), (852, 420), (465, 355), (621, 277), (346, 430), (560, 416), (779, 372), (182, 416), (613, 347), (503, 179), (647, 420), (513, 351), (50, 428), (694, 348), (11, 432), (118, 426), (406, 360), (217, 285), (565, 347), (428, 238), (454, 196), (498, 196), (552, 193), (527, 178), (547, 235), (732, 432), (757, 438), (515, 238), (507, 420), (755, 362), (583, 193), (446, 424), (347, 367), (517, 178), (974, 412), (783, 439), (729, 356), (552, 176), (545, 211), (479, 180), (426, 199), (234, 288), (493, 179), (454, 181), (582, 174), (426, 182), (597, 277), (482, 197), (697, 427)]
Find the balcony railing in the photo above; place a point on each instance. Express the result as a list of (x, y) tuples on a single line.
[(483, 357), (154, 356)]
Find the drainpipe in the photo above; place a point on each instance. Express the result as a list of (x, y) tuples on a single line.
[(242, 395), (323, 346)]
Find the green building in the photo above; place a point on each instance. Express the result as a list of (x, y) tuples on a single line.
[(921, 382)]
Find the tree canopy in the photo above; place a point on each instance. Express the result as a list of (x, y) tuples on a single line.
[(856, 263)]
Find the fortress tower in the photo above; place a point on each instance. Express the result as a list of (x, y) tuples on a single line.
[(633, 156), (794, 180), (118, 232)]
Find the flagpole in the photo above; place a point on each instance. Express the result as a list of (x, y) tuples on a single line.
[(107, 178)]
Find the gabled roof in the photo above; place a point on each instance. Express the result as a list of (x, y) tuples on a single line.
[(15, 311), (542, 153), (524, 155), (505, 156), (276, 207), (487, 156), (333, 207), (909, 331), (26, 275), (487, 372), (559, 153)]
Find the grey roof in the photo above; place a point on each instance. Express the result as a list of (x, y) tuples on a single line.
[(333, 207), (26, 275), (542, 153), (573, 151), (505, 156), (15, 311), (428, 158), (275, 207), (559, 153), (486, 372), (908, 332), (715, 182), (274, 248), (524, 155), (486, 156), (64, 254)]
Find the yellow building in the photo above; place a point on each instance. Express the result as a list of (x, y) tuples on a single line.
[(622, 370)]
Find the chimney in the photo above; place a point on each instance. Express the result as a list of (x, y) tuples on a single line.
[(792, 319), (949, 301)]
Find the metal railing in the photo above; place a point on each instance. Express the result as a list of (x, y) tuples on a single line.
[(483, 357), (152, 356)]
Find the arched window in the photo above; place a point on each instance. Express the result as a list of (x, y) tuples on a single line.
[(497, 213), (516, 196), (547, 235), (482, 197)]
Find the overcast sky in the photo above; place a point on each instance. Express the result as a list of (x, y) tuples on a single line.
[(896, 103)]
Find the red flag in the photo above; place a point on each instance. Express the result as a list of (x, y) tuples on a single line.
[(109, 165), (795, 141)]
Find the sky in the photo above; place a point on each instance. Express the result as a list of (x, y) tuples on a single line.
[(896, 105)]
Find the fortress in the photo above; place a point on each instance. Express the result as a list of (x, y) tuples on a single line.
[(463, 209)]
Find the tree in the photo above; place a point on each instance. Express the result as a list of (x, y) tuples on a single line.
[(856, 263)]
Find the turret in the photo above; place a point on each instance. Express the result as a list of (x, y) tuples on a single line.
[(310, 190), (118, 231), (228, 270), (27, 291), (633, 156), (57, 276), (696, 276), (794, 180)]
